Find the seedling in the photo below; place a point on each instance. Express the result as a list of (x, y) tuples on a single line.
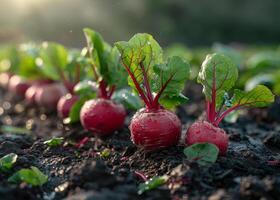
[(218, 75), (102, 116), (151, 184), (32, 176), (7, 162), (54, 142), (158, 84)]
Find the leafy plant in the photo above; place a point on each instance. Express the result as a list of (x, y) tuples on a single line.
[(7, 162), (218, 75), (32, 176), (159, 84)]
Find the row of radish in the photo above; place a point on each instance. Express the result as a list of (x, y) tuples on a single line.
[(91, 87)]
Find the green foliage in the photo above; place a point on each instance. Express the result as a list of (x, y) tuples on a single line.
[(32, 176), (15, 130), (203, 153), (260, 96), (54, 142), (218, 73), (54, 59), (151, 184), (142, 58), (7, 162), (127, 98), (104, 59)]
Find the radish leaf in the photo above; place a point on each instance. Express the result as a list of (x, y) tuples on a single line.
[(8, 161), (32, 176), (260, 96), (218, 74), (203, 153)]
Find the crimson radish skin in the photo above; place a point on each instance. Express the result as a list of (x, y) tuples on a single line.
[(102, 116), (31, 91), (155, 129), (65, 104), (18, 85), (49, 95), (203, 131)]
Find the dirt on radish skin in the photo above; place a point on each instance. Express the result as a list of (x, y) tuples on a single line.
[(154, 129), (65, 104), (49, 95), (102, 116), (203, 131)]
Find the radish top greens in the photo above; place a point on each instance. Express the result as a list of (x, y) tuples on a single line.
[(158, 82), (218, 75)]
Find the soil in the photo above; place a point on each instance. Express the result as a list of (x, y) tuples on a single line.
[(250, 170)]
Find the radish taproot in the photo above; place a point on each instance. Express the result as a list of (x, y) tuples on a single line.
[(218, 75), (102, 116), (65, 104), (159, 85)]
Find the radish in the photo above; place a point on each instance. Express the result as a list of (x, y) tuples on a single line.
[(95, 115), (65, 104), (49, 95), (31, 91), (18, 85), (218, 75), (159, 85), (102, 116)]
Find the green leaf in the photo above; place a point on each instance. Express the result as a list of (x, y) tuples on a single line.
[(32, 176), (139, 55), (127, 98), (260, 96), (15, 130), (218, 74), (74, 115), (8, 161), (105, 153), (116, 73), (171, 77), (172, 101), (232, 117), (151, 184), (85, 87), (54, 142), (203, 153), (53, 59)]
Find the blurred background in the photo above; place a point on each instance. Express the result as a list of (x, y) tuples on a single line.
[(191, 22)]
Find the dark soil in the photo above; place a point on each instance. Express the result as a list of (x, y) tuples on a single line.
[(250, 170)]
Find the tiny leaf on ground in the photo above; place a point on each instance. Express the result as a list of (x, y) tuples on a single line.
[(32, 176), (203, 153), (54, 142), (13, 129), (7, 162), (152, 184)]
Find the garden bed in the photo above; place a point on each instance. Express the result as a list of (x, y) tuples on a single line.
[(111, 168)]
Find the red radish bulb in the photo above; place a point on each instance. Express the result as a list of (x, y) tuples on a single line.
[(65, 104), (154, 129), (102, 116), (31, 91), (18, 86), (49, 95), (203, 131), (4, 79)]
